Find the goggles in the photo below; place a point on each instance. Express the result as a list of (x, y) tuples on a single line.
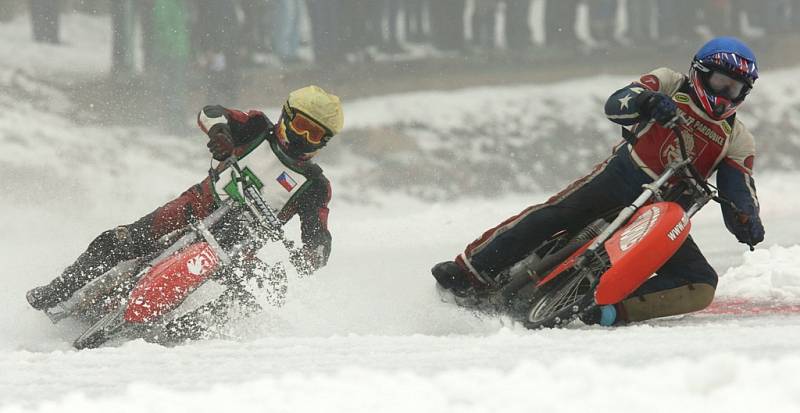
[(302, 125), (725, 86)]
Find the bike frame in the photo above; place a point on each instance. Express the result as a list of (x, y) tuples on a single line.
[(650, 190), (638, 241)]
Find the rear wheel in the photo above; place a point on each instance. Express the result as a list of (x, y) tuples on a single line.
[(544, 258)]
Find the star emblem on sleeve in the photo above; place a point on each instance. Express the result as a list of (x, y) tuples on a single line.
[(623, 102)]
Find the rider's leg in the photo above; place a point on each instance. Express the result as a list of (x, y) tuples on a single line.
[(103, 253), (684, 284), (123, 243), (197, 202), (612, 184)]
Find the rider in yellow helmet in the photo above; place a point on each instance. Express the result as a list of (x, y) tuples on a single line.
[(279, 155)]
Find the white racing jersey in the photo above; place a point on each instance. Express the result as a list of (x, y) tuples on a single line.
[(275, 175)]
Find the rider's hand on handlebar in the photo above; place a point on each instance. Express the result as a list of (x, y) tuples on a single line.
[(661, 108), (748, 229), (220, 142)]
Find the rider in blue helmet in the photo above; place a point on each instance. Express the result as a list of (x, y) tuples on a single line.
[(703, 106), (722, 74)]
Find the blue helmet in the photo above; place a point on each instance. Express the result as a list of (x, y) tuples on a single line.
[(723, 72)]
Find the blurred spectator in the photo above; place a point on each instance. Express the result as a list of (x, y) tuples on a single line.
[(255, 33), (358, 28), (677, 21), (144, 11), (484, 15), (559, 22), (391, 12), (603, 21), (170, 56), (325, 30), (122, 23), (218, 37), (640, 20), (371, 14), (10, 9), (415, 23), (518, 29), (795, 21), (755, 14), (780, 15), (447, 24), (45, 20), (382, 25), (286, 30), (717, 15)]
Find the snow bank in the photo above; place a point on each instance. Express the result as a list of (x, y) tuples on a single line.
[(85, 50), (770, 274), (773, 100), (726, 383)]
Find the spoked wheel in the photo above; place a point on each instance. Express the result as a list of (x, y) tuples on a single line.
[(562, 299)]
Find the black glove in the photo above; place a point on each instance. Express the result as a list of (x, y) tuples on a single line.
[(747, 229), (220, 142), (659, 107)]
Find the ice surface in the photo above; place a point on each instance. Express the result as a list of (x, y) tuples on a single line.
[(367, 333)]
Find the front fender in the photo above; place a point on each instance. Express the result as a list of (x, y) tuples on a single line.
[(640, 248)]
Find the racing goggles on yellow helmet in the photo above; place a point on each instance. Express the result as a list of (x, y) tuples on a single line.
[(303, 130)]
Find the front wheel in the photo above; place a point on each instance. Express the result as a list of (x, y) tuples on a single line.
[(562, 299)]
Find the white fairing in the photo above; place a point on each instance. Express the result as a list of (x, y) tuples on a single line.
[(280, 183)]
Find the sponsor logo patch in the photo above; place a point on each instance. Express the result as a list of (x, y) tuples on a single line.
[(650, 81), (636, 231), (682, 98), (726, 128), (749, 162), (202, 262), (678, 229), (286, 181)]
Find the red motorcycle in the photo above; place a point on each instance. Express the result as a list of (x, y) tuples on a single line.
[(603, 263), (164, 297)]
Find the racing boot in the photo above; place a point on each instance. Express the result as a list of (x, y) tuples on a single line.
[(62, 287), (456, 285), (452, 277), (108, 249), (43, 297), (604, 315)]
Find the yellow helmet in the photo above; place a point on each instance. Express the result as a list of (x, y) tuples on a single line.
[(323, 107), (310, 118)]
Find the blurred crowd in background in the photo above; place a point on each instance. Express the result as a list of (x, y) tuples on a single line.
[(217, 39)]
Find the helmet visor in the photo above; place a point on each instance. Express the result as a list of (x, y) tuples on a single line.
[(308, 128), (725, 86)]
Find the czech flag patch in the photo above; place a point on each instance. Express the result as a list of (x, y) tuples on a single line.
[(286, 181)]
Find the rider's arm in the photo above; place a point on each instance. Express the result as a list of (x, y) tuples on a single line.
[(734, 176), (625, 106), (244, 127), (735, 184), (312, 208)]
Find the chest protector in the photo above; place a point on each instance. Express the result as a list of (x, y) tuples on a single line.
[(278, 177), (707, 141)]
